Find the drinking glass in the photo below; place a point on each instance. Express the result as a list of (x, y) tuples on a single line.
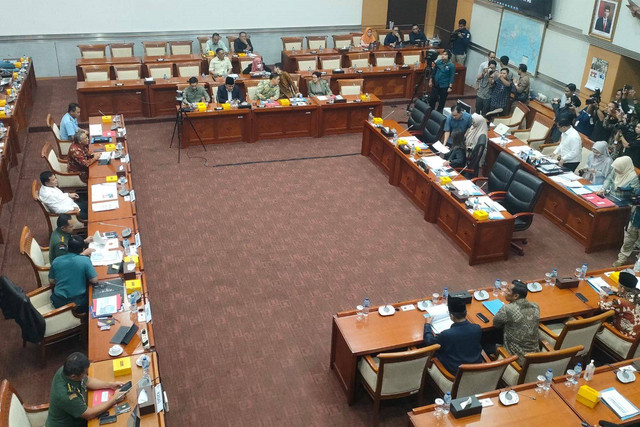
[(503, 286), (570, 374), (579, 273), (540, 383), (548, 278), (438, 404), (436, 298)]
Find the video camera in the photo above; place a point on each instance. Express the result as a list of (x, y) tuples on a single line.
[(595, 98)]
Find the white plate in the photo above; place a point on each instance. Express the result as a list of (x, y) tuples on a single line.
[(508, 398), (423, 305), (386, 310), (115, 351), (481, 295), (625, 376), (534, 287)]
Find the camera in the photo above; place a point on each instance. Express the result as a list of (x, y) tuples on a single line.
[(595, 98)]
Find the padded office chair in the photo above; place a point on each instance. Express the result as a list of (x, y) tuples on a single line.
[(538, 133), (617, 345), (128, 72), (472, 168), (96, 73), (37, 255), (158, 71), (63, 144), (342, 41), (188, 69), (360, 60), (395, 375), (355, 38), (15, 413), (580, 331), (520, 200), (385, 59), (52, 218), (181, 47), (291, 43), (515, 119), (330, 62), (410, 58), (317, 42), (537, 364), (434, 127), (251, 86), (202, 42), (471, 378), (154, 48), (93, 50), (307, 63), (501, 174), (121, 50), (58, 166), (419, 115), (350, 86)]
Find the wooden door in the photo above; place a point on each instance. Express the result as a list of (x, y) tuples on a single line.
[(445, 20), (405, 13)]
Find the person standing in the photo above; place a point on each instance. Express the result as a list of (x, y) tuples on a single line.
[(460, 39), (485, 88), (500, 93), (569, 151), (491, 56), (442, 81), (522, 84), (631, 236)]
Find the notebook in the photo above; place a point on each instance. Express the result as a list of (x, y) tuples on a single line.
[(493, 305)]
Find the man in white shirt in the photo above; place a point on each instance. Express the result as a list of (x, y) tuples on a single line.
[(219, 65), (569, 151), (485, 64), (215, 43), (56, 201)]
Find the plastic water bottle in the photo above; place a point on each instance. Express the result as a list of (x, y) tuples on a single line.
[(165, 76), (132, 303), (578, 371), (554, 276), (496, 288), (588, 371), (395, 137), (445, 294), (365, 307), (447, 404), (370, 117), (355, 67), (548, 378), (583, 273)]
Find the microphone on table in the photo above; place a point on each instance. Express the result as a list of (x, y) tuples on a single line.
[(101, 113), (406, 130), (385, 117)]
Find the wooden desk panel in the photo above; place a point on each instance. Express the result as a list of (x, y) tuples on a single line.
[(285, 122), (113, 97), (103, 370), (217, 126), (345, 117), (125, 209), (162, 94)]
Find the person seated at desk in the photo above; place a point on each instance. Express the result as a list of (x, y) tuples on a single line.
[(458, 120), (79, 158), (478, 128), (215, 43), (367, 38), (598, 163), (57, 201), (416, 36), (288, 88), (69, 276), (460, 343), (318, 86), (457, 155), (69, 122), (269, 89), (569, 151), (229, 92), (256, 66), (394, 38), (519, 319), (627, 306), (242, 43), (60, 238), (622, 181), (220, 65), (68, 396), (194, 93)]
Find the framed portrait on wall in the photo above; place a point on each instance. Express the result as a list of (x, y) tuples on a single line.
[(605, 16)]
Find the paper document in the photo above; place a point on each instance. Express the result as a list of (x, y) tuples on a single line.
[(467, 187), (493, 305), (434, 162), (618, 403), (580, 190), (501, 129), (322, 98), (440, 148), (95, 130), (599, 285), (106, 246), (570, 176), (105, 306), (440, 318), (519, 149), (105, 206), (498, 140), (105, 257), (574, 184), (104, 191), (594, 188)]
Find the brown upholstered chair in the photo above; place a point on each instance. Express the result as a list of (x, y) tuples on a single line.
[(128, 72), (291, 43), (330, 62), (154, 48), (360, 60), (341, 41), (316, 42), (15, 413), (250, 86), (410, 58), (37, 255), (93, 50), (181, 47), (537, 364), (515, 119), (202, 42), (307, 63), (538, 133), (617, 345), (96, 73), (189, 69), (385, 59), (158, 71), (62, 144), (230, 40), (121, 50), (350, 86)]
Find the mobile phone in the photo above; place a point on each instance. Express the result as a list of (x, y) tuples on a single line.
[(581, 297), (482, 317), (122, 408), (126, 387), (109, 419)]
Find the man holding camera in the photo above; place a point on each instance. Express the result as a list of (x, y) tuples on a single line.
[(460, 40), (483, 98), (586, 120)]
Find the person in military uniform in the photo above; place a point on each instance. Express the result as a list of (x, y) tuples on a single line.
[(68, 396), (60, 238), (194, 93)]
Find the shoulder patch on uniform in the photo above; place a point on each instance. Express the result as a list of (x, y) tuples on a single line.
[(72, 396)]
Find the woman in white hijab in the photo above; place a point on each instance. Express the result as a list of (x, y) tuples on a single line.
[(478, 127), (622, 180), (598, 163)]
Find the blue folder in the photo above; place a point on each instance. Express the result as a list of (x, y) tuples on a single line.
[(493, 306)]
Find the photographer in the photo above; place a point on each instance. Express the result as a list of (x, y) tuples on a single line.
[(460, 40), (604, 121), (485, 88), (630, 140), (586, 119), (567, 113)]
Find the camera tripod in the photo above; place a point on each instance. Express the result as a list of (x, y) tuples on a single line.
[(422, 83), (181, 114)]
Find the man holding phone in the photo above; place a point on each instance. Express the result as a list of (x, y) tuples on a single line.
[(68, 396)]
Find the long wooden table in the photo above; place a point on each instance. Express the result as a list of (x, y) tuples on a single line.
[(18, 118), (596, 229), (128, 97), (482, 241), (347, 117), (8, 159)]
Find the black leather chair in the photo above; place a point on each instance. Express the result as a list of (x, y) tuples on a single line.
[(473, 163), (419, 115), (520, 199), (501, 174), (434, 127)]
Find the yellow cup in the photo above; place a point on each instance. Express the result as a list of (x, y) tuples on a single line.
[(15, 76)]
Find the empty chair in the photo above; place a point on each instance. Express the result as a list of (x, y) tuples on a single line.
[(617, 345), (411, 58), (471, 378), (121, 50), (158, 71), (358, 59), (355, 39), (501, 173), (538, 133), (307, 63), (154, 48), (51, 217), (330, 62), (419, 115), (189, 69), (394, 375), (559, 335), (181, 47), (62, 144), (291, 43), (520, 200), (93, 50), (381, 38), (128, 72), (342, 41), (37, 255), (405, 37), (230, 40), (385, 59), (202, 42), (96, 73), (537, 364), (251, 86), (317, 42), (434, 127), (58, 166), (515, 119), (350, 86), (16, 413)]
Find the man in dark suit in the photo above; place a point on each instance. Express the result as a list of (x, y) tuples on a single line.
[(604, 22), (459, 344), (229, 91)]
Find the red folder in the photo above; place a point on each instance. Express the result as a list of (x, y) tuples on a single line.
[(97, 396), (108, 133), (597, 201)]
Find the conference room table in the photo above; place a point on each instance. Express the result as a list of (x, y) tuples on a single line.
[(128, 97), (8, 159), (482, 241), (103, 370), (116, 226), (594, 228), (18, 118), (352, 338), (345, 117)]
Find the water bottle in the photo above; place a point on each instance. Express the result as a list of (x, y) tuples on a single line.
[(365, 307), (578, 371), (355, 67), (309, 70), (447, 403), (554, 276), (395, 137), (415, 66), (132, 303), (445, 294), (370, 117), (636, 266), (548, 378), (496, 288), (165, 76), (583, 272), (588, 371)]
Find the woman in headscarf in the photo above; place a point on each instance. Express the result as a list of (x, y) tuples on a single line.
[(478, 127), (367, 37), (622, 181), (598, 163), (256, 66)]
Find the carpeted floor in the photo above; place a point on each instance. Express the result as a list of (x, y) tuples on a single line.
[(246, 263)]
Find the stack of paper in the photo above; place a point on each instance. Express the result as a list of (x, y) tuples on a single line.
[(105, 206), (440, 148), (618, 404), (106, 257), (104, 191), (467, 187), (107, 305), (440, 315), (95, 130), (434, 162)]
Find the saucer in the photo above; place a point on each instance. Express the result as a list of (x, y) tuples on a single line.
[(423, 305), (481, 295), (508, 398), (139, 360), (534, 287), (115, 351), (386, 310)]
